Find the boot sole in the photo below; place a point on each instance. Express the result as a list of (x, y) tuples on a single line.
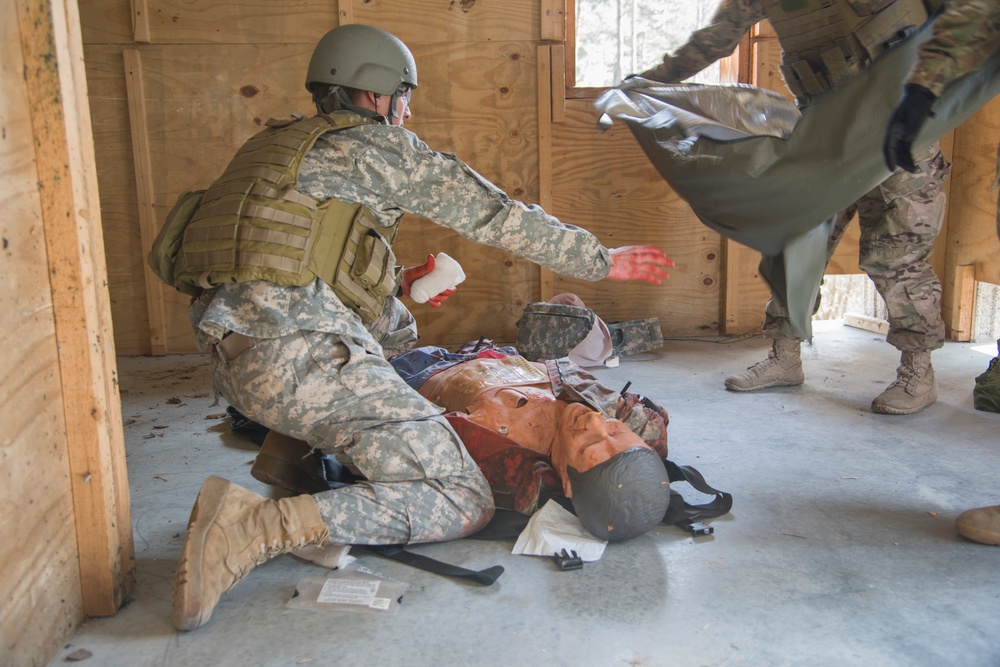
[(890, 410), (980, 536), (758, 387), (188, 607)]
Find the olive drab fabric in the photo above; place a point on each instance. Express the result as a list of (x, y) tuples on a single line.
[(167, 244), (252, 224), (781, 196), (986, 393)]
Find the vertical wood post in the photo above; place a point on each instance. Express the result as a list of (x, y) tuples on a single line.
[(544, 70), (143, 167), (71, 218)]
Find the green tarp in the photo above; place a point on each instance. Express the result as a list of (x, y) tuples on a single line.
[(747, 181)]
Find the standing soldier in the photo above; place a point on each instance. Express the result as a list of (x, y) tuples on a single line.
[(823, 43), (965, 35)]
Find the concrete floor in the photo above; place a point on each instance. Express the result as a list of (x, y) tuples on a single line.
[(840, 549)]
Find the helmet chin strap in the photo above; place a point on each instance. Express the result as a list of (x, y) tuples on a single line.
[(337, 100), (392, 106)]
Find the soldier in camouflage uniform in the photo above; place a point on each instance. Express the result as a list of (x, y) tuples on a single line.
[(306, 365), (966, 34), (824, 43)]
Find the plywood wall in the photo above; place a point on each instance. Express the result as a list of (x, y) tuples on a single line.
[(176, 87), (65, 531), (39, 575)]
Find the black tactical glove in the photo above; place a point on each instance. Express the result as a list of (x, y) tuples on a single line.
[(909, 116)]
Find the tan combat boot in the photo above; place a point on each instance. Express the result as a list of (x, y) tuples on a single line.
[(231, 531), (782, 368), (290, 464), (914, 388), (980, 525)]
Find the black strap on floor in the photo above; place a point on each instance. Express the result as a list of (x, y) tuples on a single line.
[(485, 577), (680, 511)]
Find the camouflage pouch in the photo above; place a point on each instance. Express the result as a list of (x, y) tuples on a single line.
[(550, 331), (636, 336)]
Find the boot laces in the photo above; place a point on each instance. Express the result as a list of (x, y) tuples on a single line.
[(908, 376)]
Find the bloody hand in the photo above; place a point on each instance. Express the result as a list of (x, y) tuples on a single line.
[(639, 262)]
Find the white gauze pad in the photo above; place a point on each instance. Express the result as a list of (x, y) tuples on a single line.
[(447, 273)]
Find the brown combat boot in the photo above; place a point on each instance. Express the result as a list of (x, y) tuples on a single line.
[(980, 525), (231, 531), (914, 388), (782, 368), (290, 464)]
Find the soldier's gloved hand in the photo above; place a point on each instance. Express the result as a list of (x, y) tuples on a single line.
[(639, 262), (414, 273), (909, 116)]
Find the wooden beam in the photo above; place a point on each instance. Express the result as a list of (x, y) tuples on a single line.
[(143, 169), (735, 68), (71, 219), (140, 20), (558, 85), (553, 24), (544, 76), (959, 302), (346, 11)]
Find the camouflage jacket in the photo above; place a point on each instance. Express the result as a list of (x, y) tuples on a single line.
[(965, 34), (392, 172), (717, 40), (734, 18)]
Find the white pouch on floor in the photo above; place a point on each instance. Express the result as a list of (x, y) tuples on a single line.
[(354, 588)]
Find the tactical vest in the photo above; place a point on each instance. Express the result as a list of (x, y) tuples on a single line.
[(824, 42), (252, 224)]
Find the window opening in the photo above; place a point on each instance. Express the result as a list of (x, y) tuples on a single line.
[(615, 38)]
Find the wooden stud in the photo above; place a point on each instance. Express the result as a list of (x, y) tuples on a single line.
[(71, 219), (741, 284), (553, 24), (544, 69), (143, 167), (959, 302), (345, 11), (140, 20), (866, 322), (558, 85)]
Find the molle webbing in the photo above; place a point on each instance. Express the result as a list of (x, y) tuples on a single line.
[(251, 224), (824, 42)]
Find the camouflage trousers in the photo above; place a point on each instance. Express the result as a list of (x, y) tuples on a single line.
[(899, 221), (421, 484)]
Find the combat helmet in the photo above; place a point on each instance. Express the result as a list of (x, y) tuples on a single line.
[(362, 57)]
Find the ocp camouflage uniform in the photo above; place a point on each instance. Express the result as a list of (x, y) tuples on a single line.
[(316, 373), (899, 219), (965, 35)]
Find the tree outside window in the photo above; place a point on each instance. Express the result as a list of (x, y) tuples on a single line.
[(615, 38)]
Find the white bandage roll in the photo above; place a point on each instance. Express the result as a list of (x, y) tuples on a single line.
[(447, 273)]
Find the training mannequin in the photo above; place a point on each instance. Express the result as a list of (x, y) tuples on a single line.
[(529, 442), (571, 434), (616, 481)]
